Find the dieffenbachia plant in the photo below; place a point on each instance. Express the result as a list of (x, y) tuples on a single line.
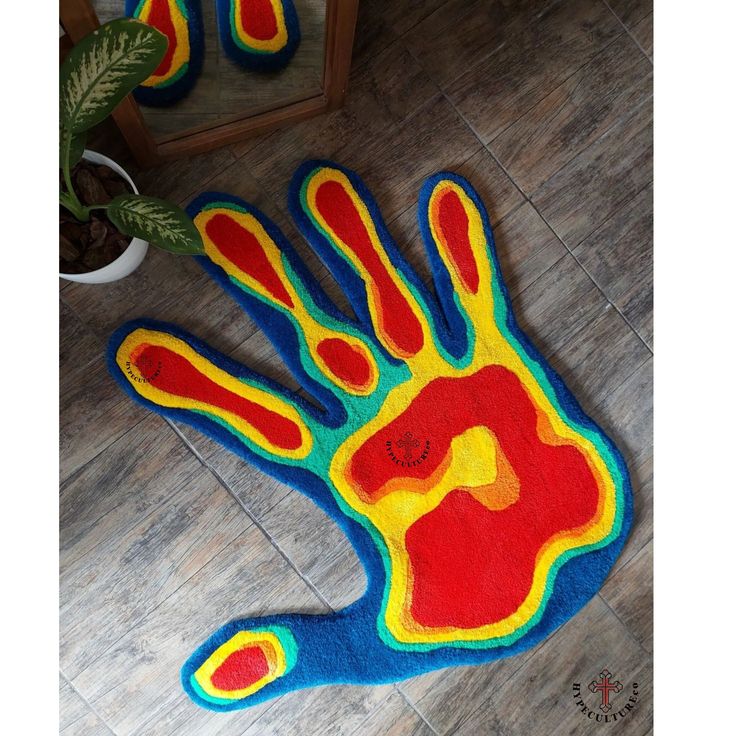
[(99, 72)]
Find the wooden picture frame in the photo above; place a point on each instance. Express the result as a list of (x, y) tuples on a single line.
[(78, 19)]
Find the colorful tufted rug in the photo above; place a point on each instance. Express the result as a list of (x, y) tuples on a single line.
[(181, 22), (258, 34), (485, 506)]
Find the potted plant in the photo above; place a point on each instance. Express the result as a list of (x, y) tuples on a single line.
[(105, 225)]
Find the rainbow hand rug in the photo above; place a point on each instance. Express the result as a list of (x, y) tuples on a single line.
[(485, 506), (181, 22), (258, 34)]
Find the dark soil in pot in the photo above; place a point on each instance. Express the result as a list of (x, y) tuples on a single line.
[(87, 246)]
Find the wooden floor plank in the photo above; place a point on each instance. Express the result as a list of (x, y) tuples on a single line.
[(393, 717), (93, 411), (380, 22), (383, 92), (325, 711), (643, 32), (447, 697), (135, 475), (558, 304), (538, 697), (153, 547), (460, 34), (139, 538), (629, 593), (499, 87), (600, 180), (618, 255), (71, 705), (90, 724), (180, 180), (135, 685), (574, 114), (599, 358), (630, 12)]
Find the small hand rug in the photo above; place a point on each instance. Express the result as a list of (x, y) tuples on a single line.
[(486, 507), (258, 34), (181, 22)]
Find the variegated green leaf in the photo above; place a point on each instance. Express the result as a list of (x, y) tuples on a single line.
[(103, 68), (157, 221)]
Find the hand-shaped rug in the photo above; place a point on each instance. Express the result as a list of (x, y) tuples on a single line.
[(485, 506), (181, 22)]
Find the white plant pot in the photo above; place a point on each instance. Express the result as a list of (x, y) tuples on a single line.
[(130, 258)]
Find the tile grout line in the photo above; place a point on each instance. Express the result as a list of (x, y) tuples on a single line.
[(562, 240), (528, 199), (369, 715), (585, 270), (540, 101), (148, 613), (628, 32), (64, 480), (87, 703), (620, 620), (411, 705), (303, 576), (254, 519)]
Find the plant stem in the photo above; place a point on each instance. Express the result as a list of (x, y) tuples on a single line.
[(72, 202)]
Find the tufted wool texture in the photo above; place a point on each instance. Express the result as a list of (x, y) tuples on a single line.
[(261, 35), (485, 506), (181, 22)]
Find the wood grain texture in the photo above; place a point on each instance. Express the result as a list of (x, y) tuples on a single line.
[(394, 717), (560, 303), (531, 55), (89, 724), (157, 538), (597, 182), (132, 556), (631, 12), (71, 705), (93, 412), (629, 593), (135, 685), (618, 255), (447, 697), (574, 114), (384, 92), (643, 32), (318, 548), (459, 34), (320, 712), (537, 698)]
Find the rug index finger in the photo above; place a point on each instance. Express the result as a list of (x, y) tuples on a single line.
[(340, 217), (183, 379), (252, 253), (457, 234)]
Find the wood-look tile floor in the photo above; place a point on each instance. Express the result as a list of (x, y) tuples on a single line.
[(547, 109)]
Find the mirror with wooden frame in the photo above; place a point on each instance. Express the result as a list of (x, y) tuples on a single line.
[(229, 98)]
